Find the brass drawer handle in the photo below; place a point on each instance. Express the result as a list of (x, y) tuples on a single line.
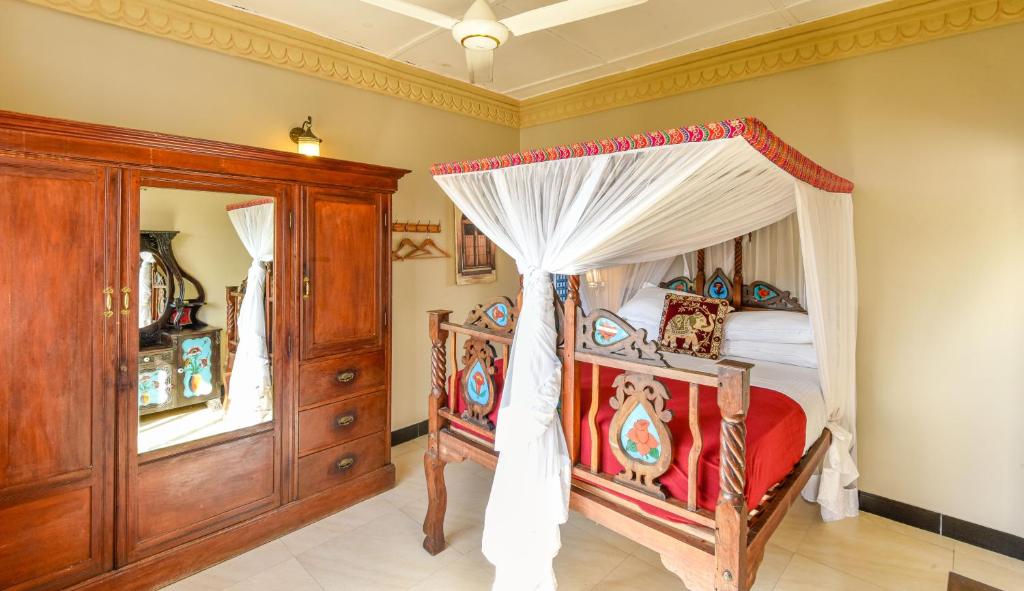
[(346, 420), (346, 376), (346, 463)]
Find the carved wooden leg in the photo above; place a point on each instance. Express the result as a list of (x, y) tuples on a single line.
[(437, 501)]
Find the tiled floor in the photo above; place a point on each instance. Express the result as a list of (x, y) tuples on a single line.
[(375, 545)]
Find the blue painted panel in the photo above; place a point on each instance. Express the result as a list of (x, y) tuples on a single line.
[(154, 386), (197, 359), (607, 332), (477, 385), (638, 438), (498, 313)]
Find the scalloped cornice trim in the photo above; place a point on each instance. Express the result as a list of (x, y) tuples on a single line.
[(877, 28), (234, 32), (851, 34)]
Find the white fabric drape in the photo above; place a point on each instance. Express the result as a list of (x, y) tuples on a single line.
[(621, 282), (773, 254), (569, 216), (826, 236), (146, 262), (250, 386)]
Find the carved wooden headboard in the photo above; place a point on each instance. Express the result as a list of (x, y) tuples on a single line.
[(756, 294)]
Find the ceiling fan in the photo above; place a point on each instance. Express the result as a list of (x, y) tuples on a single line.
[(480, 31)]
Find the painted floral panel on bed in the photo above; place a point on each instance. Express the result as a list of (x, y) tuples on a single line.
[(499, 314), (679, 284), (719, 286), (639, 438), (196, 357), (607, 332), (763, 292), (478, 386), (154, 387)]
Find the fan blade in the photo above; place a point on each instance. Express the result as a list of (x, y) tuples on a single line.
[(562, 13), (417, 12), (481, 65)]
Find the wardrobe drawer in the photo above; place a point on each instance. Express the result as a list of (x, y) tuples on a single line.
[(338, 377), (343, 421), (341, 463)]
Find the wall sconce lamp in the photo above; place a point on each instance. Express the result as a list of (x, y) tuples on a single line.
[(308, 143), (595, 278)]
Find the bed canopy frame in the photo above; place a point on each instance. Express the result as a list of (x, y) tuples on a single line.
[(716, 550)]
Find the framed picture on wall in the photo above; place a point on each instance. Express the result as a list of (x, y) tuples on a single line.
[(475, 254)]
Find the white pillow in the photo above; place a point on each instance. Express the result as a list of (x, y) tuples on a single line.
[(788, 353), (768, 326), (643, 310)]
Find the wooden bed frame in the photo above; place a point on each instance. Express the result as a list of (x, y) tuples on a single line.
[(714, 551)]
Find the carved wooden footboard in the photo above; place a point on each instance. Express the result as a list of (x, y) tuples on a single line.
[(712, 551)]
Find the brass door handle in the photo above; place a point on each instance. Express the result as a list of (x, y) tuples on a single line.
[(127, 302), (346, 420), (305, 288), (346, 463), (108, 302), (346, 376)]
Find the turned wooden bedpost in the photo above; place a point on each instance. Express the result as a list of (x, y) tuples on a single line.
[(570, 373), (731, 510), (700, 278), (519, 296), (433, 465), (737, 273)]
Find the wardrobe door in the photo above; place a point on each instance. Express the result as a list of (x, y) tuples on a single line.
[(56, 403), (343, 281)]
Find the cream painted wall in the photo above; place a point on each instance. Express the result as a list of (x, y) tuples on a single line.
[(64, 66), (933, 137)]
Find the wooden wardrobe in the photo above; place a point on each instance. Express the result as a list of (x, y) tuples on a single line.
[(78, 505)]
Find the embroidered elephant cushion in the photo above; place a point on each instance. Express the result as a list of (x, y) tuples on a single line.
[(692, 324)]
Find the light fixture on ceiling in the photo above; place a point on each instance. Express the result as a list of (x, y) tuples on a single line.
[(480, 32), (307, 141)]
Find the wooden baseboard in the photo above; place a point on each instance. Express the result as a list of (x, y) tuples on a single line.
[(181, 561), (944, 525), (409, 433)]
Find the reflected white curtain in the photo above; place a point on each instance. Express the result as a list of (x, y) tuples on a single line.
[(249, 390), (570, 216), (619, 283), (826, 235), (146, 262)]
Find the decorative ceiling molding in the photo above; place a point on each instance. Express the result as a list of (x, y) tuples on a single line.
[(859, 32), (233, 32)]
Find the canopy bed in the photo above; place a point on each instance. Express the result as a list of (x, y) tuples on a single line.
[(696, 459)]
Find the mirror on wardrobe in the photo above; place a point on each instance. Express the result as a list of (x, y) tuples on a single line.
[(206, 306)]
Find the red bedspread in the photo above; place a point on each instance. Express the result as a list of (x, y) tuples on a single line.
[(776, 428)]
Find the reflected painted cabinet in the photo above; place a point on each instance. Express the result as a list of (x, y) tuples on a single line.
[(184, 371), (79, 504)]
